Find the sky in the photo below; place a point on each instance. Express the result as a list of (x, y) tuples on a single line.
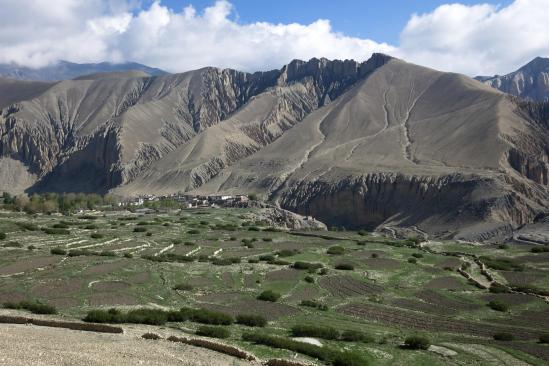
[(466, 36)]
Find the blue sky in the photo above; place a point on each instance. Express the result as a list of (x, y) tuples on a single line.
[(472, 37), (379, 20)]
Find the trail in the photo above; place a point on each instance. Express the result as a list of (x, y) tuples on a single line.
[(164, 250)]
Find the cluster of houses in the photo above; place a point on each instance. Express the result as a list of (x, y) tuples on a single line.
[(190, 201)]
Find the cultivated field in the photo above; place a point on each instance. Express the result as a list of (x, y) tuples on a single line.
[(224, 259)]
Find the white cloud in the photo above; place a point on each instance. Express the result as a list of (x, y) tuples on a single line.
[(470, 39), (478, 39)]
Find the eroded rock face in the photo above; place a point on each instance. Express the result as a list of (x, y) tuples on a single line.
[(529, 82), (381, 142)]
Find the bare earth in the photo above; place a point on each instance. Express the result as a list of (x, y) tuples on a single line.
[(31, 345)]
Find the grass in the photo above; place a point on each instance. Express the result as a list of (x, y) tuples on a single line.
[(143, 270)]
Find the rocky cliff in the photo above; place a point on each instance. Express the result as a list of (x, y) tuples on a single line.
[(381, 142), (530, 82)]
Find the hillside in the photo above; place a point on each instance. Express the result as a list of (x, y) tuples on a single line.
[(354, 144)]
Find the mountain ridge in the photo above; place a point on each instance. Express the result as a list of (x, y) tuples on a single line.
[(353, 143)]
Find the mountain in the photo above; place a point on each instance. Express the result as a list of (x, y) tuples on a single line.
[(382, 142), (64, 70), (530, 82)]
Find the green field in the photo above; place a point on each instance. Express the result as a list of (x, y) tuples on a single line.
[(222, 259)]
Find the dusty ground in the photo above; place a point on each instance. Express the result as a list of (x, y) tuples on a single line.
[(40, 346)]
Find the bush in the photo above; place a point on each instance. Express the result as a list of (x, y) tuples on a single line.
[(152, 336), (417, 342), (349, 359), (498, 288), (13, 244), (34, 307), (498, 305), (87, 217), (267, 258), (139, 229), (285, 343), (540, 250), (269, 296), (251, 320), (147, 316), (502, 264), (2, 236), (412, 260), (107, 253), (253, 260), (189, 244), (344, 266), (183, 287), (314, 304), (206, 316), (504, 336), (544, 338), (97, 236), (309, 279), (193, 232), (58, 251), (26, 226), (31, 247), (336, 250), (356, 336), (307, 265), (287, 252), (149, 234), (314, 331), (214, 332), (417, 255), (128, 255), (279, 262), (91, 227)]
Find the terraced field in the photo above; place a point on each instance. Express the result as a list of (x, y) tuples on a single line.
[(223, 259)]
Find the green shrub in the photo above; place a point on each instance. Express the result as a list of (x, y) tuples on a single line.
[(311, 350), (504, 336), (91, 227), (214, 332), (269, 296), (267, 258), (503, 246), (309, 279), (349, 359), (287, 252), (502, 264), (34, 307), (251, 320), (314, 304), (58, 251), (128, 255), (336, 250), (417, 342), (412, 260), (147, 316), (253, 260), (60, 225), (344, 266), (87, 217), (31, 247), (356, 336), (3, 236), (225, 261), (97, 236), (279, 262), (544, 338), (498, 305), (498, 288), (254, 228), (183, 287), (149, 234), (139, 229), (417, 255), (13, 244), (151, 336), (206, 316), (314, 331), (540, 250), (306, 265), (193, 232), (189, 244)]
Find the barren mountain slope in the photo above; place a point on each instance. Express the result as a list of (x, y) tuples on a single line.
[(355, 144), (529, 82), (407, 145)]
